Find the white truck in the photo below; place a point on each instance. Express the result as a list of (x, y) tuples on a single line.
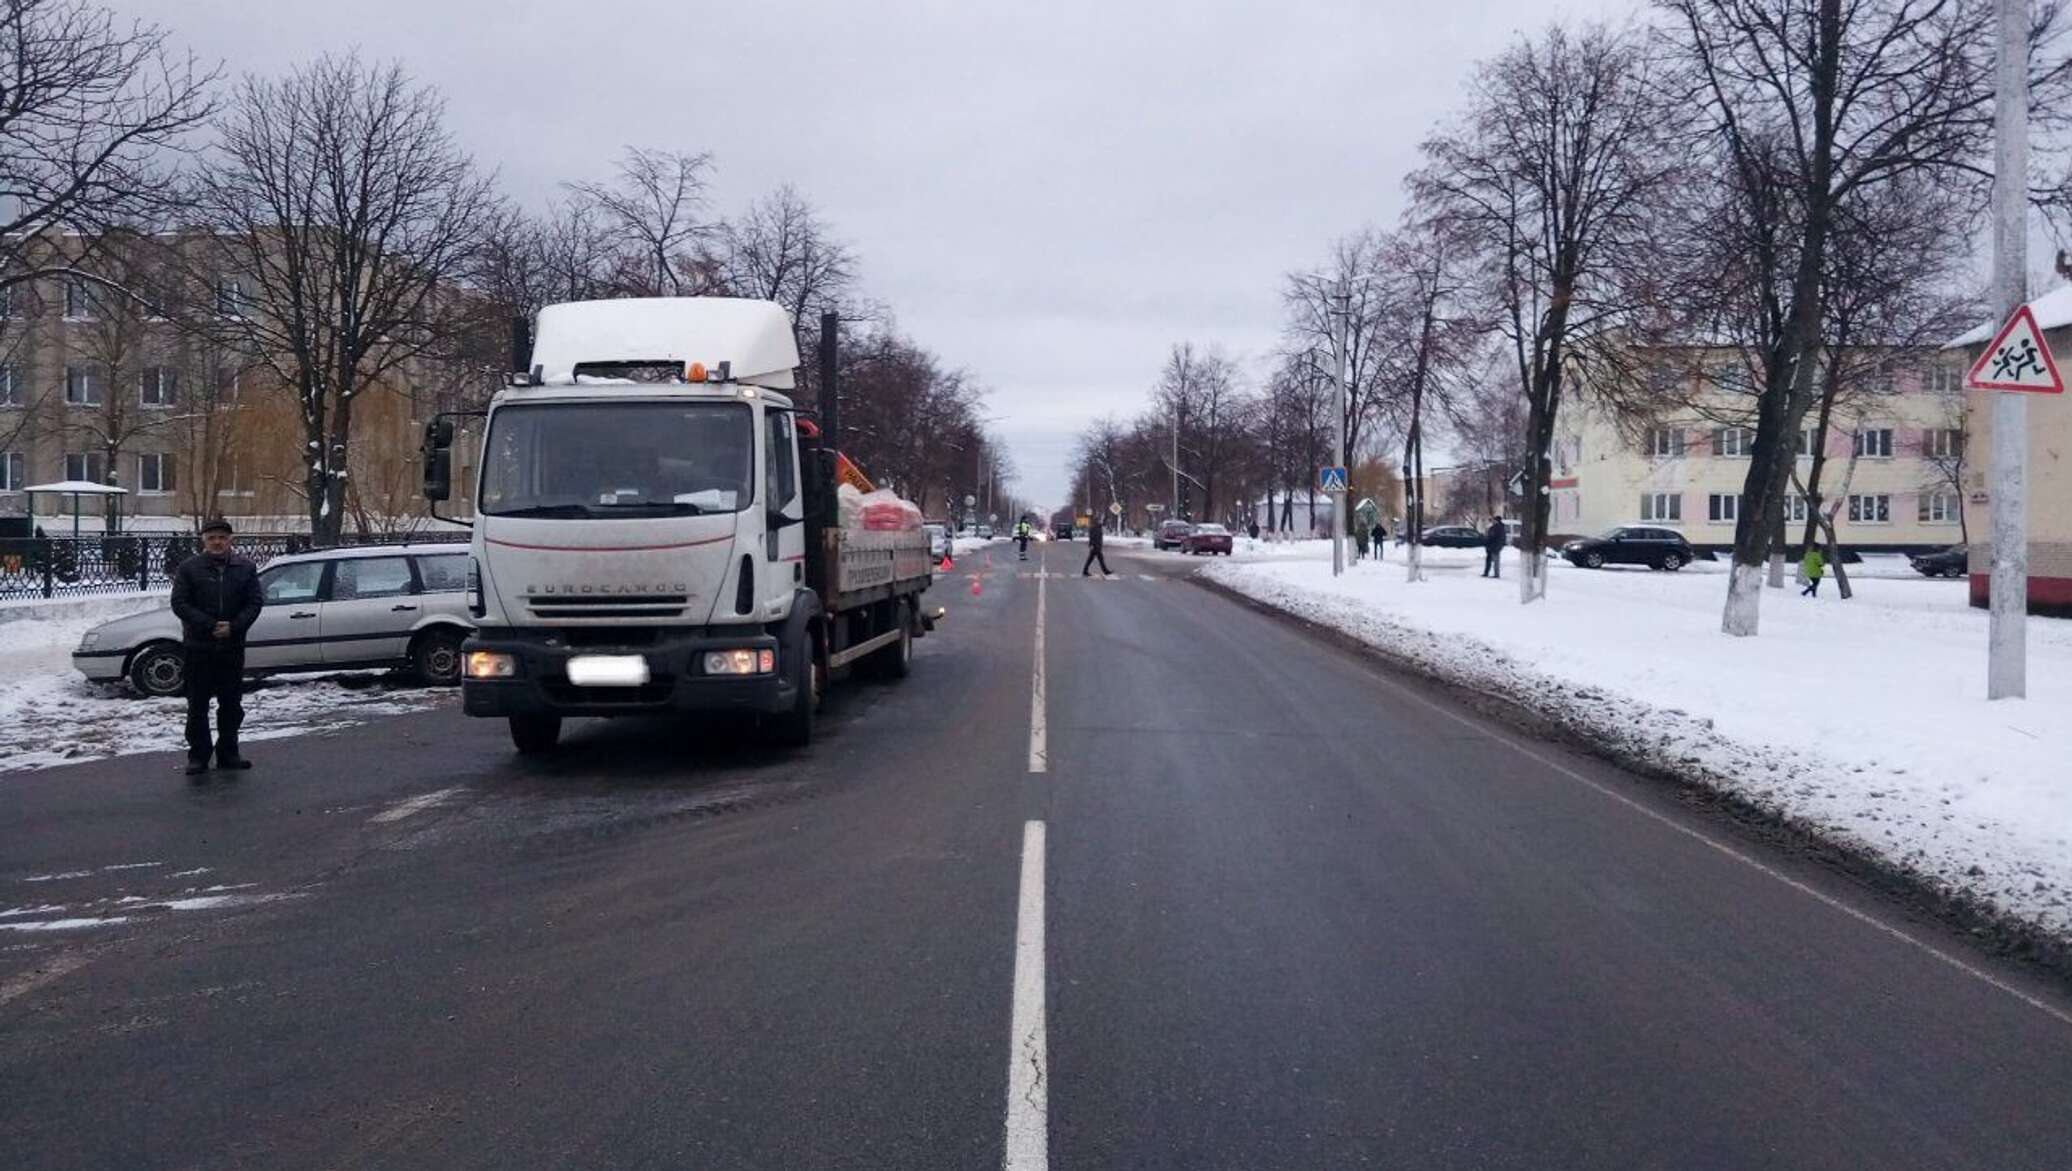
[(657, 527)]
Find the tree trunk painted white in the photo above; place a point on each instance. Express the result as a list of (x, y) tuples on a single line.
[(1532, 576), (1776, 580), (1415, 561), (1743, 615)]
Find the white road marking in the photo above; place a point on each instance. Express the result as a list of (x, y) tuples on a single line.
[(1147, 577), (1028, 1060), (1746, 860), (58, 965), (414, 805), (1039, 747)]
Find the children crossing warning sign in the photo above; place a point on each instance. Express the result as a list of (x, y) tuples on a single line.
[(2017, 359)]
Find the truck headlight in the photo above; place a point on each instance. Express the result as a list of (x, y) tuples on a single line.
[(490, 665), (741, 662)]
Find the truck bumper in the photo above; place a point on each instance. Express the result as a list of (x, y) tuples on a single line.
[(676, 678)]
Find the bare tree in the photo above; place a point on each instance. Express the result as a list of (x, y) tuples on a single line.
[(338, 193), (781, 250), (89, 110), (1555, 170), (1817, 103), (652, 212)]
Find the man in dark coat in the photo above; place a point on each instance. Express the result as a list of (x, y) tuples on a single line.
[(216, 596), (1093, 550), (1493, 547)]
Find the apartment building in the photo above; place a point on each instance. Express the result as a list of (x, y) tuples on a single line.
[(1895, 456), (118, 389), (2050, 477)]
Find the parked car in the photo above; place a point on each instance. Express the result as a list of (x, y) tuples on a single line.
[(985, 532), (1170, 533), (1209, 539), (938, 539), (370, 606), (1656, 548), (1954, 561), (1452, 537), (1062, 530)]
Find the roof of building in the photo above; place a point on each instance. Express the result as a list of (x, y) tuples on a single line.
[(2053, 310)]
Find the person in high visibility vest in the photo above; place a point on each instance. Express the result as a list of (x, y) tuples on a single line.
[(1021, 536)]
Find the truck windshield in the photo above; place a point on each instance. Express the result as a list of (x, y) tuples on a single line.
[(618, 460)]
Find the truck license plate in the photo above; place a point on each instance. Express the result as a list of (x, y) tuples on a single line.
[(608, 670)]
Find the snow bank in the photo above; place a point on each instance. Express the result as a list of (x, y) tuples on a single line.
[(50, 714), (1865, 721)]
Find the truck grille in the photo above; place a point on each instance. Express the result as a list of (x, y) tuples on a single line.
[(608, 606)]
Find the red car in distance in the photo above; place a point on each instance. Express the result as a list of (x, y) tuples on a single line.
[(1209, 539)]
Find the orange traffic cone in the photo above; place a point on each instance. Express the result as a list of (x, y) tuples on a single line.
[(947, 564), (977, 585)]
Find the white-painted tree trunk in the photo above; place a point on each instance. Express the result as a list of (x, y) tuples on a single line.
[(1776, 581), (1415, 561), (1743, 616), (1532, 577)]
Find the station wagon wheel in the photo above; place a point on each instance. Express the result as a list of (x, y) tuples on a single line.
[(159, 670), (436, 656)]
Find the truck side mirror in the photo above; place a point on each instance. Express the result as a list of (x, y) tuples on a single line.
[(438, 434), (438, 474)]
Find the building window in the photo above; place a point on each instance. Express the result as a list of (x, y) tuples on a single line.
[(6, 301), (159, 386), (226, 384), (79, 300), (1880, 377), (82, 389), (1725, 376), (1806, 442), (1939, 508), (1795, 508), (1664, 379), (1733, 441), (88, 466), (230, 297), (1943, 443), (1870, 510), (1938, 378), (1661, 506), (1874, 443), (1723, 507), (11, 393), (154, 472), (14, 471), (1665, 442)]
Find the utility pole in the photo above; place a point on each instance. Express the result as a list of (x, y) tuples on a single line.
[(1341, 301), (1176, 457), (2007, 654)]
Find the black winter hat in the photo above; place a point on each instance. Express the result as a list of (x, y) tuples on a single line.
[(217, 524)]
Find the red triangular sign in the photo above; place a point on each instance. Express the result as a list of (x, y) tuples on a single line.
[(2017, 359)]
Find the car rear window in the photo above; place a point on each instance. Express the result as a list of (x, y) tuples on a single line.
[(446, 573), (370, 577)]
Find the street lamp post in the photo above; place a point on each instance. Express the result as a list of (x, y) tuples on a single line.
[(2007, 638), (1340, 301)]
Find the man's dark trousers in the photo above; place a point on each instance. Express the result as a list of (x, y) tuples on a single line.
[(1492, 562), (216, 673), (1093, 554)]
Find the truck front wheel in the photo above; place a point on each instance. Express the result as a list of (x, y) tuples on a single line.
[(793, 727), (535, 735)]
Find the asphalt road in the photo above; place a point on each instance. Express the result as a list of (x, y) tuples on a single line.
[(1287, 910)]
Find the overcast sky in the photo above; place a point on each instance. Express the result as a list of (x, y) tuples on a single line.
[(1047, 194)]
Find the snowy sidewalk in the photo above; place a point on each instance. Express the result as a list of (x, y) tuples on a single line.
[(50, 714), (1865, 720)]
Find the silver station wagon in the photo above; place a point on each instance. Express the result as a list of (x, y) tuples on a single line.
[(370, 606)]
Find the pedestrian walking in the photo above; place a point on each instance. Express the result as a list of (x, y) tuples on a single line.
[(1021, 537), (216, 596), (1093, 550), (1493, 543), (1813, 565), (1379, 539), (1253, 530)]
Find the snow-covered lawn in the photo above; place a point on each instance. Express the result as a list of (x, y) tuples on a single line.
[(1864, 720), (50, 715)]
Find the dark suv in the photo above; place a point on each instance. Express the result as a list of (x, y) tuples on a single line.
[(1656, 548)]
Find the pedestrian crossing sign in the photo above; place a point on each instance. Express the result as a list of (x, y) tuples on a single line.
[(1331, 480)]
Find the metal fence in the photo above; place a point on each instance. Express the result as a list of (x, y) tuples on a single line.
[(61, 567)]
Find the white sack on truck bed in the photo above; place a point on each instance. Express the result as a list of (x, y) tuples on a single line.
[(881, 511)]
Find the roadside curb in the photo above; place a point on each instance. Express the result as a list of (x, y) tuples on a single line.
[(1999, 932)]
